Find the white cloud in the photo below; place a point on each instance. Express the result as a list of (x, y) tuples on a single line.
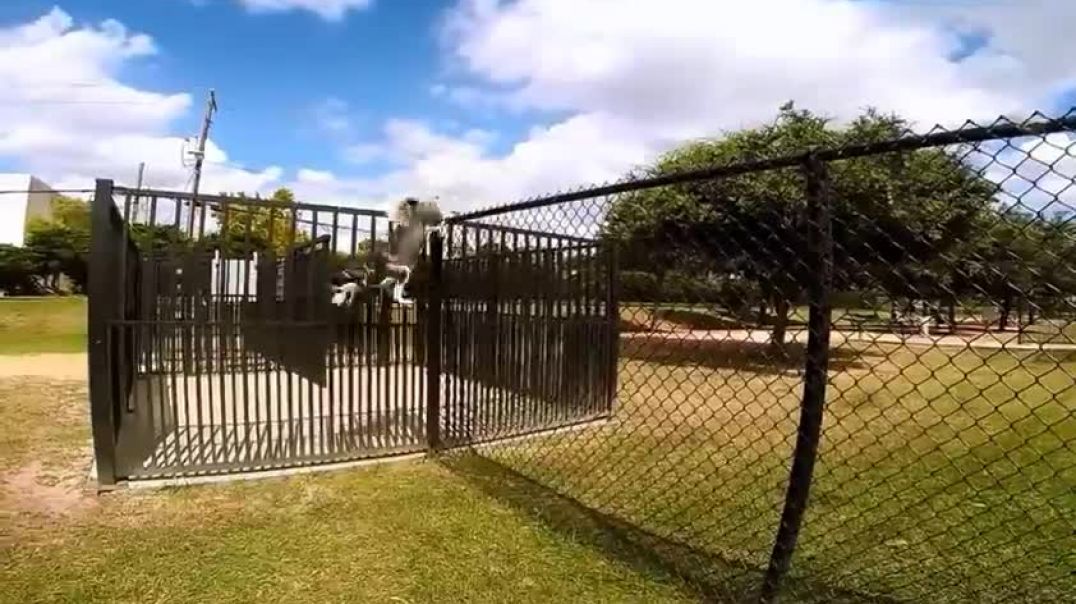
[(626, 79), (463, 173), (635, 77), (66, 117), (331, 10)]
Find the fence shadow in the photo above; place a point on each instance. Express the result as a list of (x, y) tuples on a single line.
[(709, 577)]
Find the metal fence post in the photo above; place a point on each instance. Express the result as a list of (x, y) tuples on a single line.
[(433, 342), (820, 259), (101, 306), (612, 309)]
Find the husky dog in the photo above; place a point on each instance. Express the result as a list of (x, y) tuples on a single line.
[(347, 285), (412, 218)]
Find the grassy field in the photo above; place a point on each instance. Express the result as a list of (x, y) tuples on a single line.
[(408, 532), (47, 324), (943, 475), (1050, 331)]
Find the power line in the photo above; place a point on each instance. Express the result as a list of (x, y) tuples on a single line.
[(72, 102), (13, 191)]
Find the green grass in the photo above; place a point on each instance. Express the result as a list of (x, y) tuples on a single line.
[(47, 324), (1050, 331), (943, 476), (408, 532)]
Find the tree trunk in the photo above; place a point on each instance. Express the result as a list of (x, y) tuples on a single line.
[(762, 312), (781, 308), (952, 315), (1031, 313), (1005, 311), (656, 306)]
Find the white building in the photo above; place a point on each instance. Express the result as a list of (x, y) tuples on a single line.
[(29, 197)]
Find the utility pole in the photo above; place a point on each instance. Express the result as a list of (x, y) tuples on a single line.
[(138, 198), (199, 155)]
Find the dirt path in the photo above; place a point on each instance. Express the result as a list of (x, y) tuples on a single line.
[(59, 366), (760, 336)]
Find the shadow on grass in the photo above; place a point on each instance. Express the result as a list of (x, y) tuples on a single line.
[(710, 577), (756, 357)]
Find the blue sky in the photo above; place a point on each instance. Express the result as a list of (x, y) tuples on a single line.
[(274, 71), (481, 101)]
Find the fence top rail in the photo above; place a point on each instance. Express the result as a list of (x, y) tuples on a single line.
[(1035, 125), (219, 200), (525, 232)]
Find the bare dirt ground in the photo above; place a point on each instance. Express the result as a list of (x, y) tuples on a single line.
[(44, 443), (839, 337), (57, 366)]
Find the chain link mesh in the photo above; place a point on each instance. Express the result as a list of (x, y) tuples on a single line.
[(947, 463)]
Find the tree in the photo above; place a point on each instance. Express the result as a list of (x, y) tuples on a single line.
[(895, 217), (18, 270), (157, 237), (61, 243), (250, 225)]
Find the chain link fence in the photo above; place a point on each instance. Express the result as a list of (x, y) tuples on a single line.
[(828, 386)]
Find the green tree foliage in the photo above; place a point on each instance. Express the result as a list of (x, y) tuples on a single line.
[(18, 270), (898, 220), (61, 243), (251, 224)]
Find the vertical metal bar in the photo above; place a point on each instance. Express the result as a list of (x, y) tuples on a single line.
[(464, 402), (512, 317), (433, 343), (121, 332), (551, 268), (150, 313), (331, 335), (223, 328), (296, 441), (234, 305), (384, 320), (100, 308), (820, 257), (162, 371), (398, 406), (526, 333), (175, 331), (350, 343), (500, 332), (612, 318), (449, 347), (248, 252), (275, 428), (593, 337), (201, 320), (312, 338), (369, 340)]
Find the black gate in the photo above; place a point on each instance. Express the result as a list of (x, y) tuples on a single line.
[(529, 332), (214, 346)]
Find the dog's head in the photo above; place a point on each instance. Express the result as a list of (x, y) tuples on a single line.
[(412, 212)]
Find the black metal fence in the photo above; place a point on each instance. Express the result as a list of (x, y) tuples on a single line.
[(528, 332), (824, 385), (215, 346)]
